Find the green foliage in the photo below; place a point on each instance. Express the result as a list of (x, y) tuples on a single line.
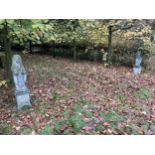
[(88, 113), (58, 125), (47, 130), (77, 108), (67, 113), (26, 131), (71, 119), (142, 93), (100, 127), (94, 32), (122, 97), (128, 36), (77, 122), (133, 128), (111, 117), (25, 30), (6, 130)]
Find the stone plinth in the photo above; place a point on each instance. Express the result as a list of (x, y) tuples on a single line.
[(19, 76), (137, 70), (22, 98)]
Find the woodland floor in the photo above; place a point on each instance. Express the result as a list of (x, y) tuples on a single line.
[(80, 98)]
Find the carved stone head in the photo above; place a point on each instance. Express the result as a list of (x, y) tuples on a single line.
[(17, 65)]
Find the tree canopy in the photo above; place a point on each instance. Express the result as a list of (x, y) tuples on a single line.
[(114, 36)]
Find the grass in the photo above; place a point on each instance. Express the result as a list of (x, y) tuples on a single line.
[(47, 130), (78, 98), (143, 93)]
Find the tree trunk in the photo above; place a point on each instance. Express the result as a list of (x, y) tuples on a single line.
[(30, 47), (110, 44), (8, 54), (74, 50)]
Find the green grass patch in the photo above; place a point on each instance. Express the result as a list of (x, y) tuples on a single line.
[(26, 131), (6, 130), (47, 130), (71, 121), (143, 93), (122, 98), (99, 127), (112, 117)]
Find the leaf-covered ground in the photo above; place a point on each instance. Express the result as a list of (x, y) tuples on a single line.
[(80, 98)]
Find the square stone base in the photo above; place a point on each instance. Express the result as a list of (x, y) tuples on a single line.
[(137, 70), (22, 99)]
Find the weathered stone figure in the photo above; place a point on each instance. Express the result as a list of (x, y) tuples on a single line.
[(19, 77), (137, 66)]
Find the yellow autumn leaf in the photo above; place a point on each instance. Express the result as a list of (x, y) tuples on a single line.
[(3, 83)]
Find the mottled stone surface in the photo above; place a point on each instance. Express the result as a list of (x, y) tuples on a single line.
[(137, 66), (19, 76)]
